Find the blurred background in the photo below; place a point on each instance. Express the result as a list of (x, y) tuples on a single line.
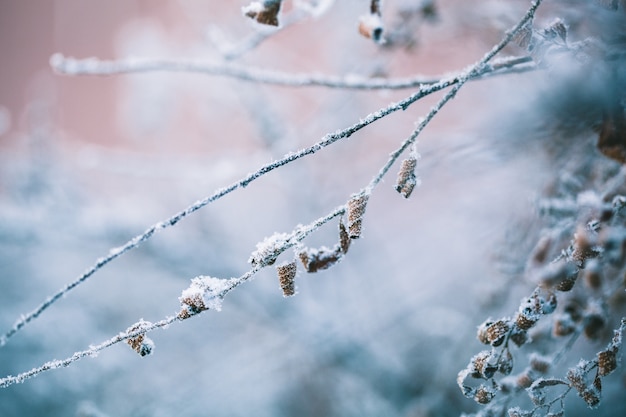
[(88, 162)]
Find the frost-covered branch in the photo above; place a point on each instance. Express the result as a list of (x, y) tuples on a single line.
[(141, 328), (475, 70), (94, 66)]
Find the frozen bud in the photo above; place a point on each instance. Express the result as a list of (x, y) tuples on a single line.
[(371, 26), (591, 396), (484, 394), (539, 363), (593, 324), (356, 210), (593, 275), (525, 379), (607, 362), (407, 179), (541, 250), (315, 260), (566, 284), (481, 333), (344, 238), (481, 365), (264, 12), (563, 325), (496, 332), (584, 247), (287, 277), (548, 305), (518, 336), (576, 378), (553, 274), (525, 322), (140, 343)]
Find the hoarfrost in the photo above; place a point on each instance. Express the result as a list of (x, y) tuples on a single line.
[(268, 250), (204, 293)]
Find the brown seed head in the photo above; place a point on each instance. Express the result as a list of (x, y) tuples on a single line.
[(356, 210), (286, 277)]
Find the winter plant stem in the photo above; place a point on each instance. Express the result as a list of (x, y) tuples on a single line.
[(101, 67), (94, 66), (424, 90)]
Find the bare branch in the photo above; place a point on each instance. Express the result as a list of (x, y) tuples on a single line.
[(94, 66)]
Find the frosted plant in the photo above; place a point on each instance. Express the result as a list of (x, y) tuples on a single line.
[(574, 271)]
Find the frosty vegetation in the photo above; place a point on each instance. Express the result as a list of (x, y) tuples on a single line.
[(572, 271)]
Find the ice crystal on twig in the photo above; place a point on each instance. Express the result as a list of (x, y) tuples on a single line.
[(204, 293), (141, 343)]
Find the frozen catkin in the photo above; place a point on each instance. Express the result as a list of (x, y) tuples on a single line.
[(264, 12), (407, 180), (141, 343), (356, 211), (317, 259), (287, 277)]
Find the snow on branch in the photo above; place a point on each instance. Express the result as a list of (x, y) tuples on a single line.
[(211, 292), (94, 66)]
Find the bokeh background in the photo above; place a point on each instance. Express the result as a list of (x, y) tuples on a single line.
[(86, 163)]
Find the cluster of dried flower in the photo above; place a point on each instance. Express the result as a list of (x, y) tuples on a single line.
[(596, 255), (318, 259)]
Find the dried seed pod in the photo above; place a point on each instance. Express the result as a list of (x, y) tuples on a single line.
[(524, 321), (484, 394), (141, 343), (264, 12), (540, 363), (496, 332), (566, 284), (551, 275), (371, 27), (593, 275), (286, 277), (518, 336), (344, 238), (593, 324), (407, 180), (481, 367), (525, 379), (315, 260), (541, 250), (481, 333), (356, 210), (563, 325), (607, 362), (612, 138), (584, 247)]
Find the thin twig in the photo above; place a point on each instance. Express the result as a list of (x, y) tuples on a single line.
[(296, 236), (476, 70), (94, 66)]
